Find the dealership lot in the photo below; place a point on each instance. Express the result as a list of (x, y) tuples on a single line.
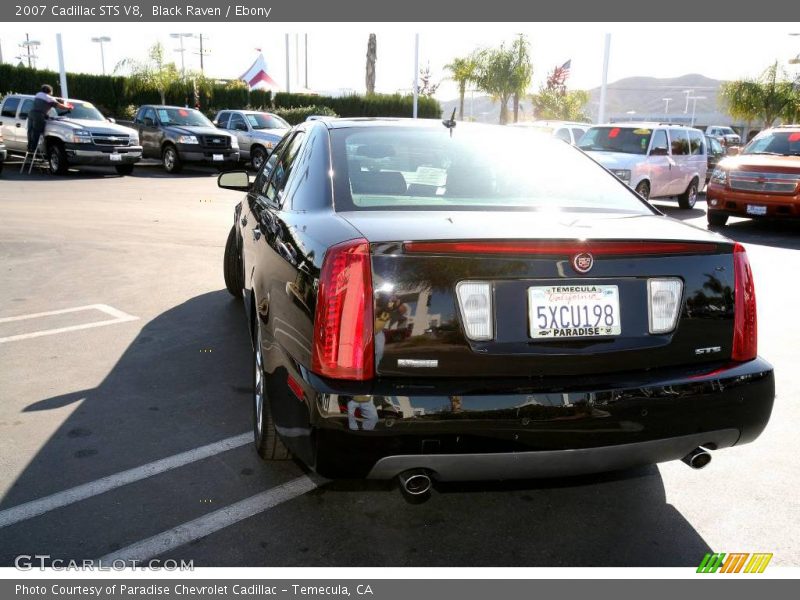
[(125, 415)]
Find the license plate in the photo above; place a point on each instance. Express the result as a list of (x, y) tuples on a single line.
[(116, 157), (754, 209), (216, 157), (573, 311)]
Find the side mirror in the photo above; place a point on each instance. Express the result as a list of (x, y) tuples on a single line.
[(234, 180), (112, 120), (659, 151), (733, 150), (148, 122), (241, 127)]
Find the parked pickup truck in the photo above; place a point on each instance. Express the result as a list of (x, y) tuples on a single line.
[(3, 152), (258, 132), (77, 136), (178, 135)]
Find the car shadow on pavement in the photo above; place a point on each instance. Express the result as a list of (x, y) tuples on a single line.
[(185, 382), (764, 232), (682, 214)]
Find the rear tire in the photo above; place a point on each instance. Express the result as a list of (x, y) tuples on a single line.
[(123, 169), (171, 160), (232, 266), (268, 444), (57, 159), (716, 219), (688, 199), (643, 189)]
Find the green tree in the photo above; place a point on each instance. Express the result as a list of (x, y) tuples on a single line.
[(495, 67), (522, 71), (560, 105), (769, 97), (154, 73), (463, 70)]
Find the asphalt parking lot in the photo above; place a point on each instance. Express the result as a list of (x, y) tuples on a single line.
[(125, 415)]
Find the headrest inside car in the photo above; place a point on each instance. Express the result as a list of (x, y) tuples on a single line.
[(375, 150)]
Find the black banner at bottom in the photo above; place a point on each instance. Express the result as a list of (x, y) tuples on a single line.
[(394, 589)]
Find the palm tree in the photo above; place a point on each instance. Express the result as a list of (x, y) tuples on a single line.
[(522, 71), (767, 98), (463, 70)]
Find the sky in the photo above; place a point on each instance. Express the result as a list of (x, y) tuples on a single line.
[(337, 52)]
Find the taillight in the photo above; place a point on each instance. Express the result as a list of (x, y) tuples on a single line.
[(745, 326), (343, 336)]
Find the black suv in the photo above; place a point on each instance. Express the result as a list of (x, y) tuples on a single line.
[(178, 135)]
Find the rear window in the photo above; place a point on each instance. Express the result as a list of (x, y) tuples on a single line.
[(477, 168), (10, 107), (628, 140)]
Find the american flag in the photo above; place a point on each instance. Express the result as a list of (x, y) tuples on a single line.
[(558, 78)]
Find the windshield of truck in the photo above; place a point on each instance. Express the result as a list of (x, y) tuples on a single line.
[(183, 116), (266, 121), (779, 143), (79, 110)]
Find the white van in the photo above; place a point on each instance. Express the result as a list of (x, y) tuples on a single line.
[(657, 160)]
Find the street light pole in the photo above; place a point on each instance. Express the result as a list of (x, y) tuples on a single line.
[(182, 50), (666, 108), (416, 73), (694, 105), (101, 40)]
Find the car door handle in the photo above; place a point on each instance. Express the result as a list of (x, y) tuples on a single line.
[(19, 124), (256, 233), (244, 221)]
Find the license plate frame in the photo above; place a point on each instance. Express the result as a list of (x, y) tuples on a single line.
[(115, 157), (547, 301), (756, 210), (217, 157)]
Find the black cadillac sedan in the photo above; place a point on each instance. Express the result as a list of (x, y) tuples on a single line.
[(463, 302)]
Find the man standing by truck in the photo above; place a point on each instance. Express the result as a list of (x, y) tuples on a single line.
[(42, 103)]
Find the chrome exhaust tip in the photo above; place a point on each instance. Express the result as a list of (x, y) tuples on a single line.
[(697, 458), (415, 482)]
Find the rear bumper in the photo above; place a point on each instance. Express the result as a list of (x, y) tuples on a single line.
[(565, 430), (552, 463), (721, 200)]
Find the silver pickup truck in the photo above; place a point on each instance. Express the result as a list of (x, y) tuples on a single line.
[(79, 136)]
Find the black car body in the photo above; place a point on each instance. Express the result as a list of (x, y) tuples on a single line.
[(177, 135), (715, 153), (390, 274)]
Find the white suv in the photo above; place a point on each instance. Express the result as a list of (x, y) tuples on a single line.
[(655, 159)]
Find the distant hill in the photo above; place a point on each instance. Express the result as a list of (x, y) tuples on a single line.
[(642, 95)]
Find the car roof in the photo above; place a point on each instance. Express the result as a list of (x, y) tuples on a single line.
[(646, 124), (365, 122), (166, 106)]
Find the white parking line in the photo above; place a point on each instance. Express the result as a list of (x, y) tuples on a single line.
[(212, 522), (34, 508), (118, 317)]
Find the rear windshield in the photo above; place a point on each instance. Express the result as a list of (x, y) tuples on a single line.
[(477, 168), (627, 140)]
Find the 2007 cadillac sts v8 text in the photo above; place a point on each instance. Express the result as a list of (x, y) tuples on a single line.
[(433, 301)]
